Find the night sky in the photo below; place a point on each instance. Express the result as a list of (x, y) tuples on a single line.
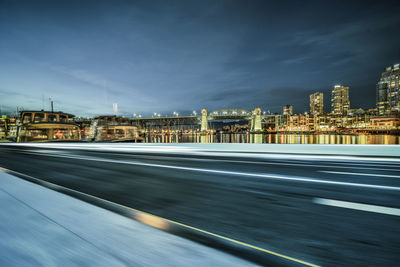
[(165, 56)]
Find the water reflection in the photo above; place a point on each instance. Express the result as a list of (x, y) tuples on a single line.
[(273, 138)]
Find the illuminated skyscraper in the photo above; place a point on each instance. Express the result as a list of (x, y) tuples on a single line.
[(388, 90), (317, 103), (288, 110), (340, 100)]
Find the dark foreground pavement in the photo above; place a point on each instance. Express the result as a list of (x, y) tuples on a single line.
[(330, 211), (41, 227)]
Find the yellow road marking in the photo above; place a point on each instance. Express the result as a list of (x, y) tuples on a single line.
[(157, 225), (212, 234)]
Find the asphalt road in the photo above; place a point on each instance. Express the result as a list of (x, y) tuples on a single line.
[(327, 211)]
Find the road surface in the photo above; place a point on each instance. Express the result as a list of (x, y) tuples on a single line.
[(325, 210), (41, 227)]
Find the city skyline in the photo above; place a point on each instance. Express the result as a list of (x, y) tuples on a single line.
[(338, 104), (175, 56), (199, 133)]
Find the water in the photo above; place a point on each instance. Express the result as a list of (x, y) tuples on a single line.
[(274, 138)]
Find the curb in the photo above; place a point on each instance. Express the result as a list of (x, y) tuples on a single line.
[(237, 248)]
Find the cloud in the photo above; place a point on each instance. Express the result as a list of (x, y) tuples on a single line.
[(226, 95), (166, 56)]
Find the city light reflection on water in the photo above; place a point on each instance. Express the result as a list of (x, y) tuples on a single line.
[(274, 138)]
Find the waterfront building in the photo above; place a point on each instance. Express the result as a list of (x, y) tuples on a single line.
[(340, 100), (388, 90), (323, 123), (386, 123), (273, 122), (8, 128), (288, 110), (317, 103), (326, 123), (3, 127), (299, 123)]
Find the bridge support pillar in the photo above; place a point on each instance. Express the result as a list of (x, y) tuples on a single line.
[(256, 121), (204, 120)]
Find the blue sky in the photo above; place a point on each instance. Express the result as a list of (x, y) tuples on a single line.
[(165, 56)]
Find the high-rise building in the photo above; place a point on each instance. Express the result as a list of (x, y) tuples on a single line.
[(340, 100), (288, 110), (317, 103), (388, 90)]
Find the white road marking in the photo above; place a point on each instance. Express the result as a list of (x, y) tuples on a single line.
[(42, 151), (357, 206), (296, 164), (363, 174), (258, 175)]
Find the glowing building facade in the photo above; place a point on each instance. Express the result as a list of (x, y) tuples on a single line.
[(388, 90), (317, 103), (340, 100)]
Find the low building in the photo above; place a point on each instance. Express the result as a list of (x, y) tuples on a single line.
[(299, 123), (386, 123)]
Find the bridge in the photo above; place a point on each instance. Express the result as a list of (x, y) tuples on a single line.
[(254, 117)]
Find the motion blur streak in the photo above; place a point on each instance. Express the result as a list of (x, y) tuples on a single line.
[(356, 153), (363, 174), (267, 176), (268, 202)]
